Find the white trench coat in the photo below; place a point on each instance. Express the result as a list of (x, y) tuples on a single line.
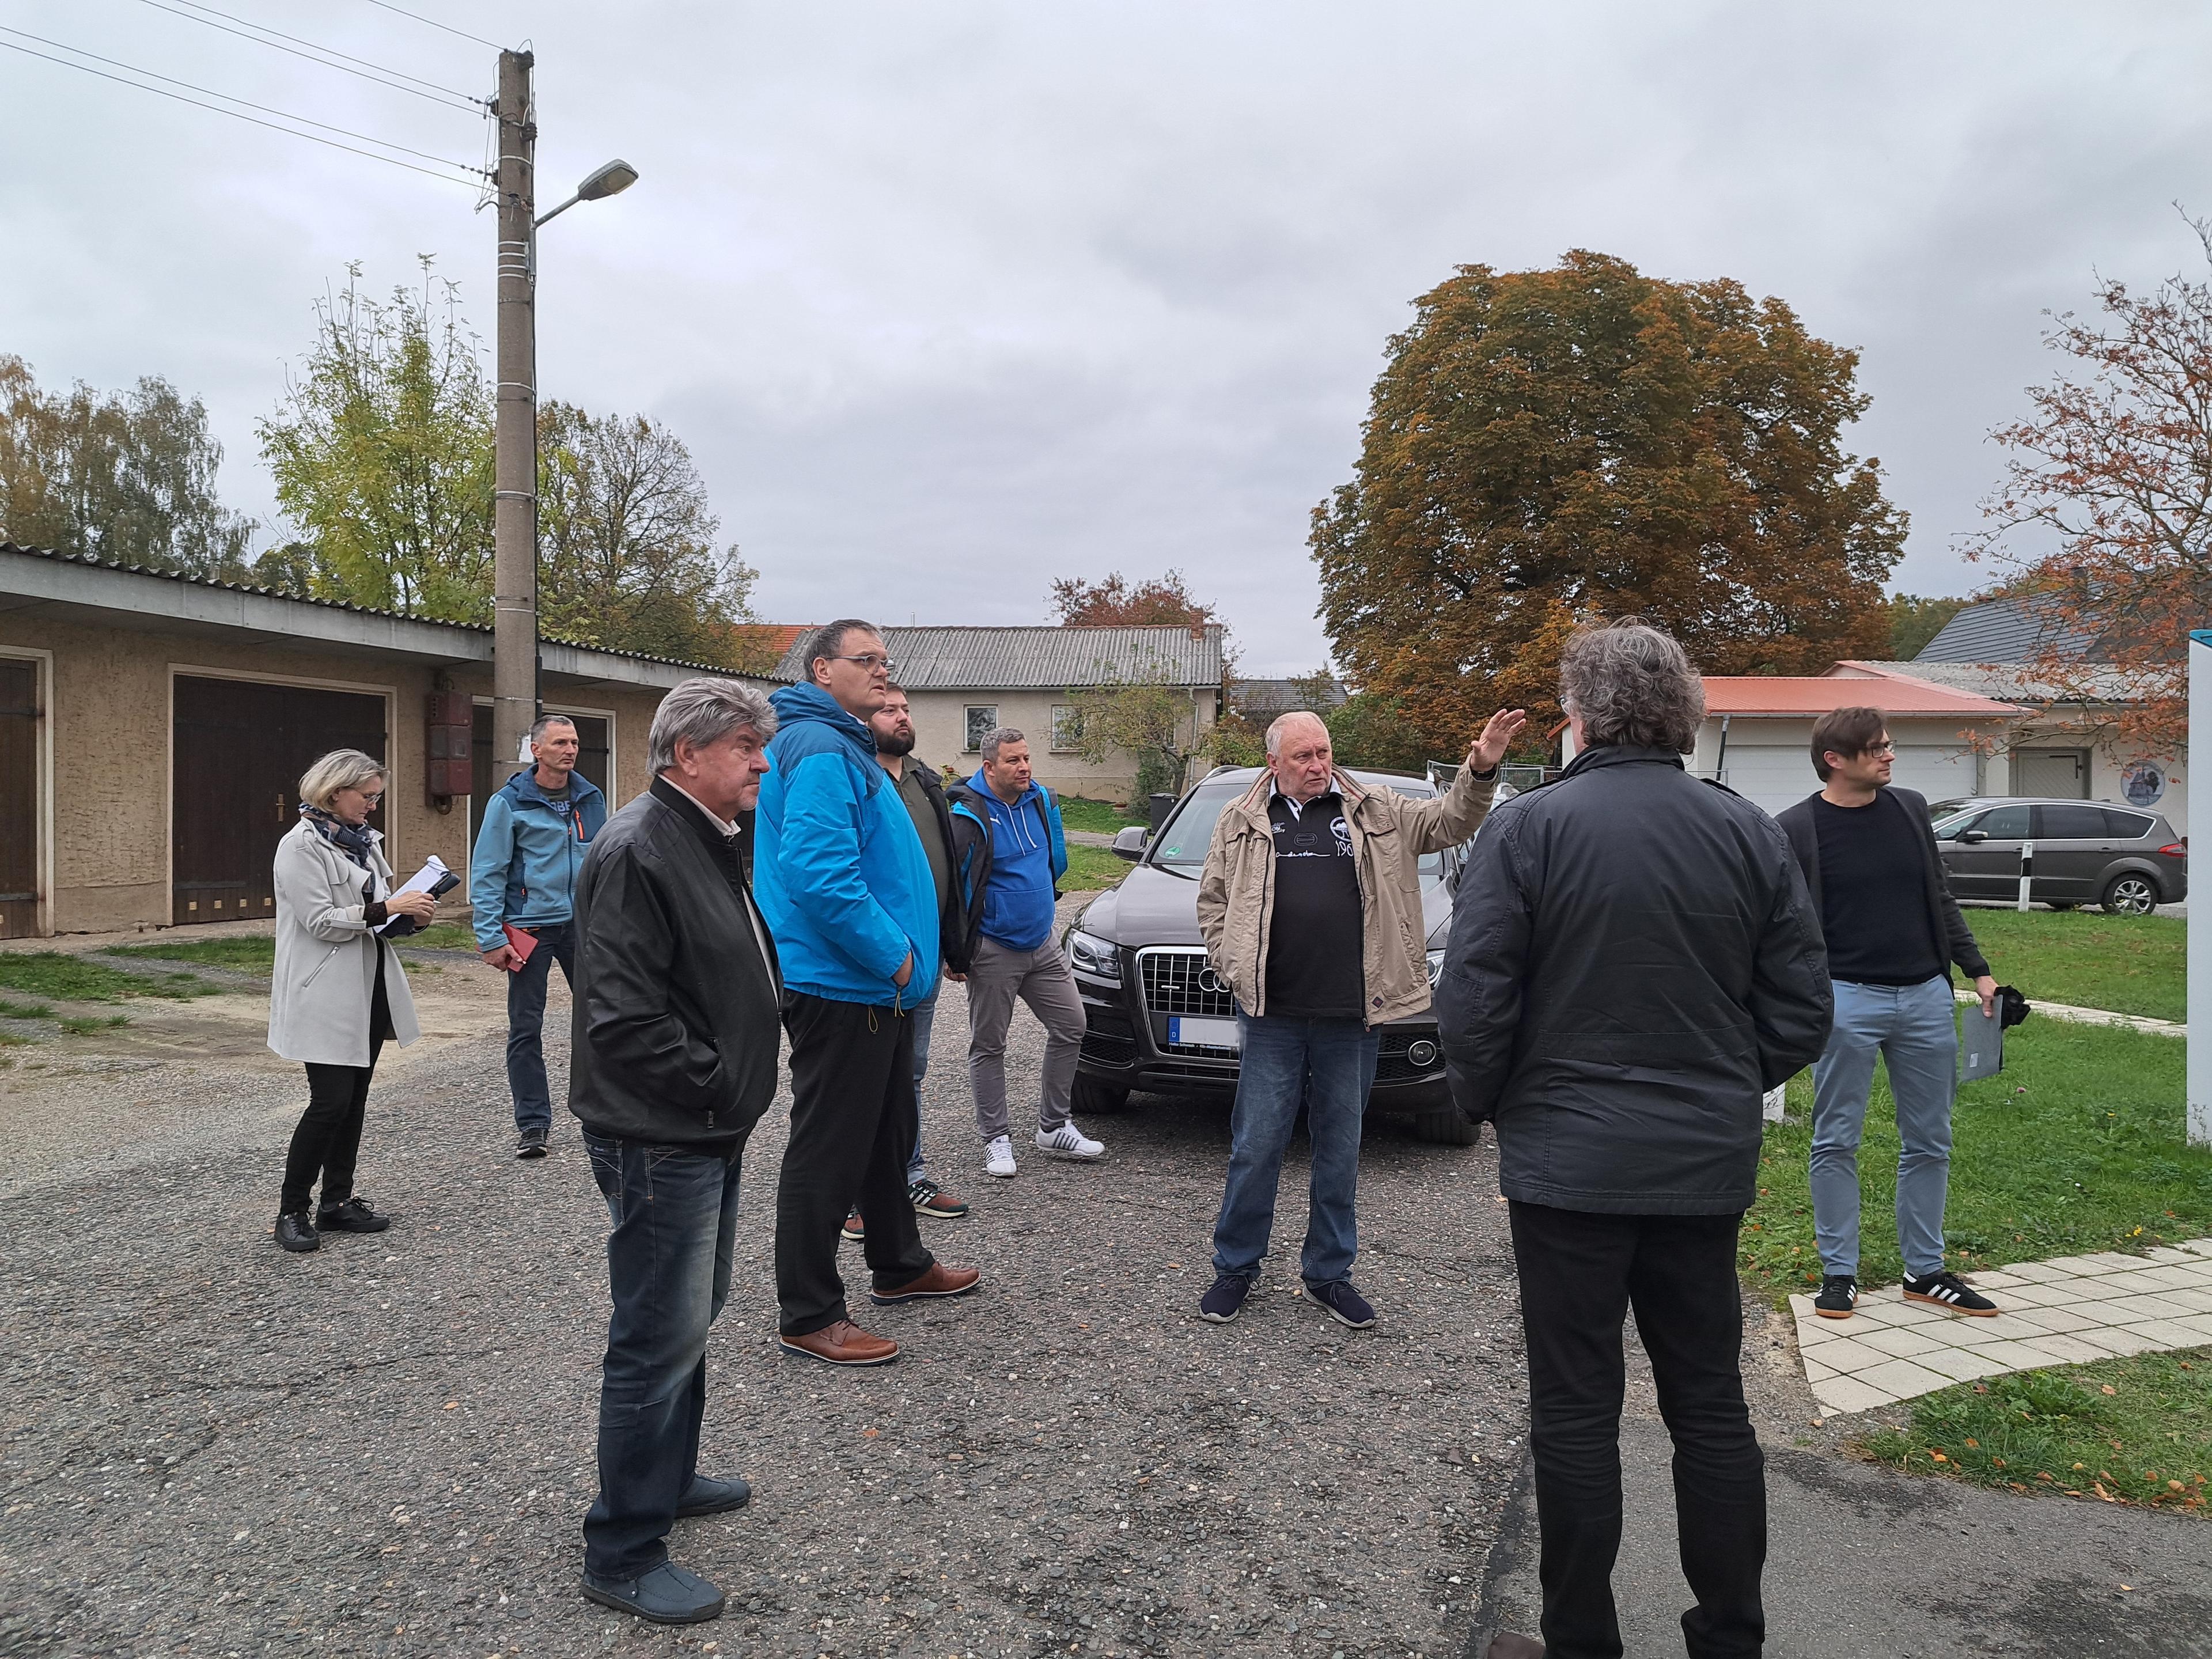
[(327, 956)]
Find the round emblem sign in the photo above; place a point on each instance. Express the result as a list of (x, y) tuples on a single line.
[(1210, 981), (2144, 783)]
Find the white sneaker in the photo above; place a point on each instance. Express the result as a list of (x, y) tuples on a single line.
[(1069, 1141), (999, 1156)]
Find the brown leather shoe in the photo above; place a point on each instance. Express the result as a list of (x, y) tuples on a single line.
[(1511, 1646), (843, 1344), (939, 1281), (855, 1229)]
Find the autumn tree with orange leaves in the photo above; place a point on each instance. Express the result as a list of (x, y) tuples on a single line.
[(2115, 465), (1547, 447)]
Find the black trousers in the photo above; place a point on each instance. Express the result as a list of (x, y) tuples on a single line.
[(851, 1133), (328, 1140), (1579, 1273)]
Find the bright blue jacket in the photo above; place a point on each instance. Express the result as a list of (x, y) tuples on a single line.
[(528, 851), (1021, 855), (837, 867)]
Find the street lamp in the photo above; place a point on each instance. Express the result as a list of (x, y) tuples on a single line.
[(612, 180)]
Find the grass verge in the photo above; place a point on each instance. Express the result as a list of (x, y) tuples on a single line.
[(253, 952), (82, 979), (2134, 1430), (85, 1024), (2129, 964), (443, 936), (2078, 1144), (1102, 816), (1090, 868), (24, 1009)]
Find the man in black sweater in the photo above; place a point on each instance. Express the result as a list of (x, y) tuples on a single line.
[(1893, 930), (672, 1061)]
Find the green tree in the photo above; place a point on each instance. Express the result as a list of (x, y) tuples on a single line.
[(1915, 620), (628, 554), (1550, 446), (127, 477), (1367, 730), (1144, 717), (381, 452)]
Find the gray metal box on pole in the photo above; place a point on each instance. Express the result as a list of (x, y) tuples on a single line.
[(515, 466)]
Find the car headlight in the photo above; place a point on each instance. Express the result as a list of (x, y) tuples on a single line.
[(1436, 968), (1093, 955)]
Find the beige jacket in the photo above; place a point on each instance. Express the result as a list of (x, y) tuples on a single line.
[(326, 957), (1389, 835)]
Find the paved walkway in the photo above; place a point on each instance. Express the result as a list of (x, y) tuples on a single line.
[(2098, 1017), (2064, 1312)]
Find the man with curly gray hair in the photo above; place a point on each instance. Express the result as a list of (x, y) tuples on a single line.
[(1634, 961)]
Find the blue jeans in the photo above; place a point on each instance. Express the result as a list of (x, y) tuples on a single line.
[(1330, 1065), (1914, 1028), (675, 1215), (525, 1022), (924, 1015)]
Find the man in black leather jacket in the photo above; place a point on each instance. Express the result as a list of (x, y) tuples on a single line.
[(1633, 961), (672, 1061)]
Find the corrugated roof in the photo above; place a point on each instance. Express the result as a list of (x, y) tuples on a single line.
[(1799, 694), (1045, 659), (1280, 697), (2103, 683)]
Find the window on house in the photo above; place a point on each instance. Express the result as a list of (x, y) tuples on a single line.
[(983, 721), (1066, 727)]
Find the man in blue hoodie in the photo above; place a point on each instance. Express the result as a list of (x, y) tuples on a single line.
[(1010, 853), (842, 878), (522, 875)]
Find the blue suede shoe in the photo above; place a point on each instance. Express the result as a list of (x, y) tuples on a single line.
[(707, 1496), (1346, 1305), (666, 1595), (1226, 1300)]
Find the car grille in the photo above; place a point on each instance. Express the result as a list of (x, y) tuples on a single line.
[(1394, 1065), (1176, 980), (1108, 1038)]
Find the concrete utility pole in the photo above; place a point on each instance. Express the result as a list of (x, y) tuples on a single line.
[(514, 477)]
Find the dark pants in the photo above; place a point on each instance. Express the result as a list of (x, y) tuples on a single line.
[(1579, 1273), (1329, 1066), (852, 1132), (328, 1139), (675, 1215), (525, 1022)]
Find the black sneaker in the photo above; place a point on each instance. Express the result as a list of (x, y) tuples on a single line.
[(1838, 1297), (1221, 1303), (1346, 1305), (931, 1199), (351, 1217), (1947, 1289), (297, 1234), (530, 1144)]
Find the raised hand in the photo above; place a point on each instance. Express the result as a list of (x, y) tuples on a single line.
[(1497, 735)]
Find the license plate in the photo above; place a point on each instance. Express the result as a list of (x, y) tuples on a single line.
[(1207, 1033)]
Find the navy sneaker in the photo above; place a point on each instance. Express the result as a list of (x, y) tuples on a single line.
[(707, 1496), (1221, 1303), (666, 1595), (1346, 1305)]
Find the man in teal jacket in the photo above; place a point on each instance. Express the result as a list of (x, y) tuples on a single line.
[(529, 847), (842, 878)]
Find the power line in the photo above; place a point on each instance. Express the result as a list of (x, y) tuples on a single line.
[(387, 6), (471, 181), (437, 94), (228, 98)]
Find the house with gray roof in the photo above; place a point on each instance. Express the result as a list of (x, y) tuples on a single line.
[(962, 683)]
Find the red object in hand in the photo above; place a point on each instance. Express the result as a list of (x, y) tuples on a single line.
[(521, 943)]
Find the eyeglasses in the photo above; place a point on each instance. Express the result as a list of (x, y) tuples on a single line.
[(1882, 750), (871, 660), (373, 798)]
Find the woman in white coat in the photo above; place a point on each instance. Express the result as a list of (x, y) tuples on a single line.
[(339, 991)]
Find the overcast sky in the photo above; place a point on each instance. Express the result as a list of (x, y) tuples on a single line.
[(949, 300)]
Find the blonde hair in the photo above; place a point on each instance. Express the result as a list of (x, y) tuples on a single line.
[(342, 769)]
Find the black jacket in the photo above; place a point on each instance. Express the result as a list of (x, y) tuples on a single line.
[(1633, 962), (949, 930), (677, 1018), (1946, 925)]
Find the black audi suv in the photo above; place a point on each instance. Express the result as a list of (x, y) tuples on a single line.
[(1160, 1020)]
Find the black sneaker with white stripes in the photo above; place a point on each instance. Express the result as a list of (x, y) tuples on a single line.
[(1947, 1289), (1838, 1297)]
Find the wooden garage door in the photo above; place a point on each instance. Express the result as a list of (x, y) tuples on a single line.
[(239, 748), (19, 797)]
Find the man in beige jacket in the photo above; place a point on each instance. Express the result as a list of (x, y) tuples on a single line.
[(1310, 904)]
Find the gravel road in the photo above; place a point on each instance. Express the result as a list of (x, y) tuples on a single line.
[(387, 1448)]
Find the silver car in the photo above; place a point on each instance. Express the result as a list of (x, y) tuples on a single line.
[(2086, 852)]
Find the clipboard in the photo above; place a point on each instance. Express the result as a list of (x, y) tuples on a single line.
[(1981, 1046)]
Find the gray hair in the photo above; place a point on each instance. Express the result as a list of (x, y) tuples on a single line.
[(997, 739), (1632, 685), (342, 769), (538, 726), (702, 711), (828, 641), (1282, 723)]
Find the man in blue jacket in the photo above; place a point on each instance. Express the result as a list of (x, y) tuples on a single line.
[(1010, 853), (842, 879), (529, 847)]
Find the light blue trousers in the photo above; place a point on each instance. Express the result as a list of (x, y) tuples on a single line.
[(1914, 1028)]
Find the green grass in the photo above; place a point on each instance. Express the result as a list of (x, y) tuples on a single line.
[(24, 1009), (254, 952), (82, 979), (1100, 815), (444, 936), (2135, 1430), (1090, 868), (85, 1025), (2129, 965), (2078, 1144)]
